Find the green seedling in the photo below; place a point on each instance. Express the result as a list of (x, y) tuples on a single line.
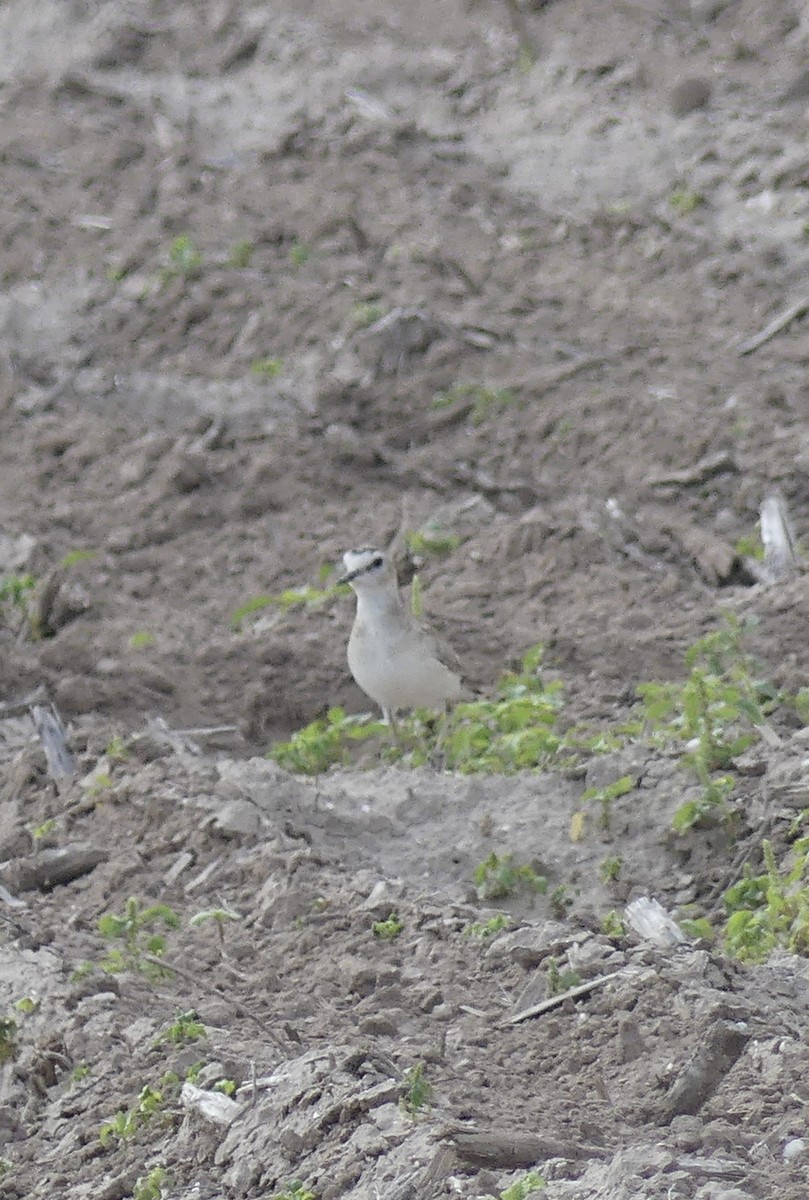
[(226, 1086), (8, 1033), (220, 917), (698, 928), (117, 749), (387, 930), (294, 1191), (80, 1072), (560, 901), (267, 368), (432, 540), (301, 597), (482, 402), (241, 255), (41, 831), (684, 201), (137, 942), (605, 796), (126, 1122), (612, 926), (184, 260), (610, 869), (299, 253), (750, 546), (153, 1186), (16, 594), (418, 1091), (78, 556), (325, 742), (364, 315), (498, 876), (186, 1028), (26, 1005), (521, 1189), (560, 980), (141, 640), (485, 929), (770, 910)]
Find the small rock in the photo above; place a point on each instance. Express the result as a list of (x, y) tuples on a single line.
[(793, 1148), (239, 817), (689, 95)]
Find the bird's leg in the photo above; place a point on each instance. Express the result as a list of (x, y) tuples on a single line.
[(438, 758), (389, 715)]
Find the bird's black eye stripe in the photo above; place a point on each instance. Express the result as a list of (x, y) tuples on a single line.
[(376, 562)]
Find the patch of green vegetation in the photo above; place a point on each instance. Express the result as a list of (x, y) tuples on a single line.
[(770, 910), (220, 917), (560, 979), (184, 260), (267, 368), (117, 749), (15, 592), (241, 255), (127, 1121), (612, 926), (417, 1091), (309, 597), (134, 931), (604, 797), (8, 1044), (154, 1186), (389, 929), (432, 540), (299, 253), (499, 876), (716, 712), (521, 1189), (226, 1086), (485, 929), (186, 1028), (78, 556), (26, 1005), (610, 869), (325, 742), (684, 201), (41, 831), (294, 1190), (364, 315), (80, 1072), (697, 928), (141, 640), (750, 547), (485, 401)]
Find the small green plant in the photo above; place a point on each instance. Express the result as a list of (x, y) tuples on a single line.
[(418, 1091), (117, 749), (141, 640), (483, 401), (749, 546), (560, 980), (134, 931), (16, 592), (612, 926), (241, 255), (716, 713), (267, 368), (770, 910), (604, 797), (226, 1086), (126, 1122), (8, 1033), (697, 928), (77, 556), (364, 315), (521, 1189), (220, 917), (294, 1190), (308, 597), (41, 831), (389, 929), (684, 201), (485, 929), (184, 259), (299, 253), (610, 869), (26, 1005), (498, 876), (325, 742), (80, 1072), (153, 1186), (432, 540), (186, 1028)]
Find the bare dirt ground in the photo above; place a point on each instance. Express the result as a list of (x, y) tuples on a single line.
[(383, 205)]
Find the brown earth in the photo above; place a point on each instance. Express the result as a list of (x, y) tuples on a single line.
[(391, 205)]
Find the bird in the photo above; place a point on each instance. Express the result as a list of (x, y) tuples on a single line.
[(394, 659)]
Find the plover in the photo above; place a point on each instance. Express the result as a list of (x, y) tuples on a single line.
[(394, 659)]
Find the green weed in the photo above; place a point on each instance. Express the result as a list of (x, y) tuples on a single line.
[(299, 253), (184, 260), (770, 910), (134, 931), (485, 929), (612, 926), (418, 1091), (499, 876), (387, 930), (521, 1189), (153, 1186), (308, 597), (8, 1033), (241, 255), (432, 540), (77, 556), (604, 797), (141, 640), (267, 368), (126, 1122), (364, 315), (186, 1028), (560, 979), (483, 401), (684, 201), (294, 1190), (325, 742)]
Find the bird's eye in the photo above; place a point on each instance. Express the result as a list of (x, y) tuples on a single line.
[(377, 562)]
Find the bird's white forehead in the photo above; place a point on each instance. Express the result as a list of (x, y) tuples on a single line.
[(355, 560)]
